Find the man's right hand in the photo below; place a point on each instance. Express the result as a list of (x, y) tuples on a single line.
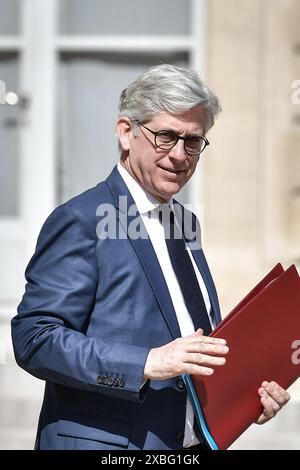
[(196, 354)]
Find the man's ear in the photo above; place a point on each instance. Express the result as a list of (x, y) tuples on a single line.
[(124, 130)]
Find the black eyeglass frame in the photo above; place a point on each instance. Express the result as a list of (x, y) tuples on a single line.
[(178, 137)]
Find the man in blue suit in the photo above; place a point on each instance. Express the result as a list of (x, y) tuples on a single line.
[(106, 319)]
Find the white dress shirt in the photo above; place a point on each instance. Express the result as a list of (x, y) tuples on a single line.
[(145, 204)]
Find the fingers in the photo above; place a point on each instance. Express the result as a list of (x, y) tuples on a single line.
[(198, 332), (198, 335), (194, 354), (279, 394), (196, 369), (198, 343), (204, 359), (202, 353), (273, 398), (270, 406), (203, 364), (205, 344), (207, 348)]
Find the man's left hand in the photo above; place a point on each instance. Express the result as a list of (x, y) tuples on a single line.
[(273, 398)]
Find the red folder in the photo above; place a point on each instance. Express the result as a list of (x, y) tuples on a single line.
[(260, 333)]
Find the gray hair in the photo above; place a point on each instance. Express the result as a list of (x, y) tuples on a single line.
[(167, 88)]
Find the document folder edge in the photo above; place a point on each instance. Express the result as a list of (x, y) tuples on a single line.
[(199, 413), (272, 275)]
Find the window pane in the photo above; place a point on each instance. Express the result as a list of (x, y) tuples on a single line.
[(124, 17), (90, 86), (9, 161), (9, 16)]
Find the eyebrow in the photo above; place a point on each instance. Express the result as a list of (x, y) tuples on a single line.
[(174, 132)]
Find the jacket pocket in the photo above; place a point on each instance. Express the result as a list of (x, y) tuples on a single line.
[(100, 430)]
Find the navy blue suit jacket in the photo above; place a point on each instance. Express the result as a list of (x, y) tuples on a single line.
[(92, 310)]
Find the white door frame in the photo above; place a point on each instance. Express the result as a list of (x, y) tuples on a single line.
[(36, 133)]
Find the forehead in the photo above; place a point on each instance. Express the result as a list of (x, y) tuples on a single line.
[(188, 122)]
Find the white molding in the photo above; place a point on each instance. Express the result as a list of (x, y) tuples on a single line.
[(197, 59), (197, 21), (11, 43), (101, 43), (38, 183), (10, 228), (8, 309)]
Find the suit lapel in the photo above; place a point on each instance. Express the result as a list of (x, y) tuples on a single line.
[(145, 252), (151, 266)]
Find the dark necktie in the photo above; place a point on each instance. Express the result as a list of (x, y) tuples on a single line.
[(184, 270)]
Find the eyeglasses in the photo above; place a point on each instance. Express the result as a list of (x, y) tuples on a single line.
[(166, 140)]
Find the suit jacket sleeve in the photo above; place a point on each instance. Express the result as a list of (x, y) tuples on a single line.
[(49, 331)]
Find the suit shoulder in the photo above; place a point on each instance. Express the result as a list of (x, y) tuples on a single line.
[(90, 198), (85, 205), (81, 208)]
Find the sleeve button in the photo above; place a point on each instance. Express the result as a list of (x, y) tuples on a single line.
[(121, 382), (115, 382), (110, 381)]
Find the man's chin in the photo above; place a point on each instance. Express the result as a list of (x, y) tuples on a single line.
[(168, 189)]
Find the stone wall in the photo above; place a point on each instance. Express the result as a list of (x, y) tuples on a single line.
[(252, 167)]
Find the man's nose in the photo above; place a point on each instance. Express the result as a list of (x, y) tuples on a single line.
[(178, 151)]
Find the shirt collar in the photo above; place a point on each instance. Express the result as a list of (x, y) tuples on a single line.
[(144, 201)]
